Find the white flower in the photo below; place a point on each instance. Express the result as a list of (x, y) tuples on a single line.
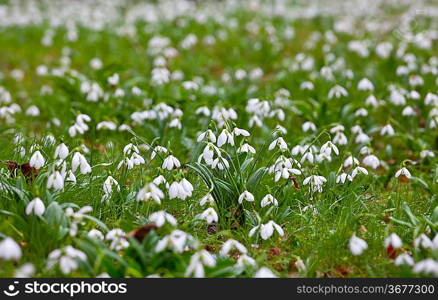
[(267, 230), (61, 151), (245, 260), (246, 148), (308, 126), (278, 142), (80, 161), (150, 191), (96, 234), (403, 171), (161, 217), (197, 262), (25, 271), (67, 257), (207, 199), (245, 196), (181, 190), (387, 130), (36, 207), (358, 170), (209, 215), (316, 182), (337, 91), (343, 177), (357, 245), (426, 266), (55, 181), (394, 241), (232, 244), (267, 200), (423, 241), (209, 134), (171, 162), (371, 161), (328, 147), (264, 272), (9, 249), (238, 131), (37, 160), (118, 239), (404, 259), (225, 137), (365, 85), (177, 239), (350, 161)]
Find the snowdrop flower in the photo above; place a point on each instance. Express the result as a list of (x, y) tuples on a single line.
[(365, 85), (337, 92), (177, 240), (268, 200), (426, 153), (108, 187), (362, 138), (308, 126), (36, 207), (328, 147), (9, 249), (404, 259), (197, 263), (350, 161), (171, 162), (37, 160), (209, 215), (96, 234), (207, 199), (68, 259), (267, 230), (117, 238), (316, 182), (238, 131), (25, 271), (426, 266), (76, 218), (408, 111), (161, 217), (280, 143), (245, 148), (394, 241), (150, 191), (357, 245), (225, 137), (245, 260), (343, 177), (358, 170), (158, 149), (129, 149), (404, 172), (371, 161), (114, 79), (61, 151), (80, 161), (387, 130), (181, 190), (340, 139), (136, 159), (209, 134), (55, 181), (264, 272), (230, 245), (245, 196), (423, 241)]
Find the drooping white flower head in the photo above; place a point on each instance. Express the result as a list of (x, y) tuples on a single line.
[(9, 249), (36, 207), (357, 245), (37, 160)]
